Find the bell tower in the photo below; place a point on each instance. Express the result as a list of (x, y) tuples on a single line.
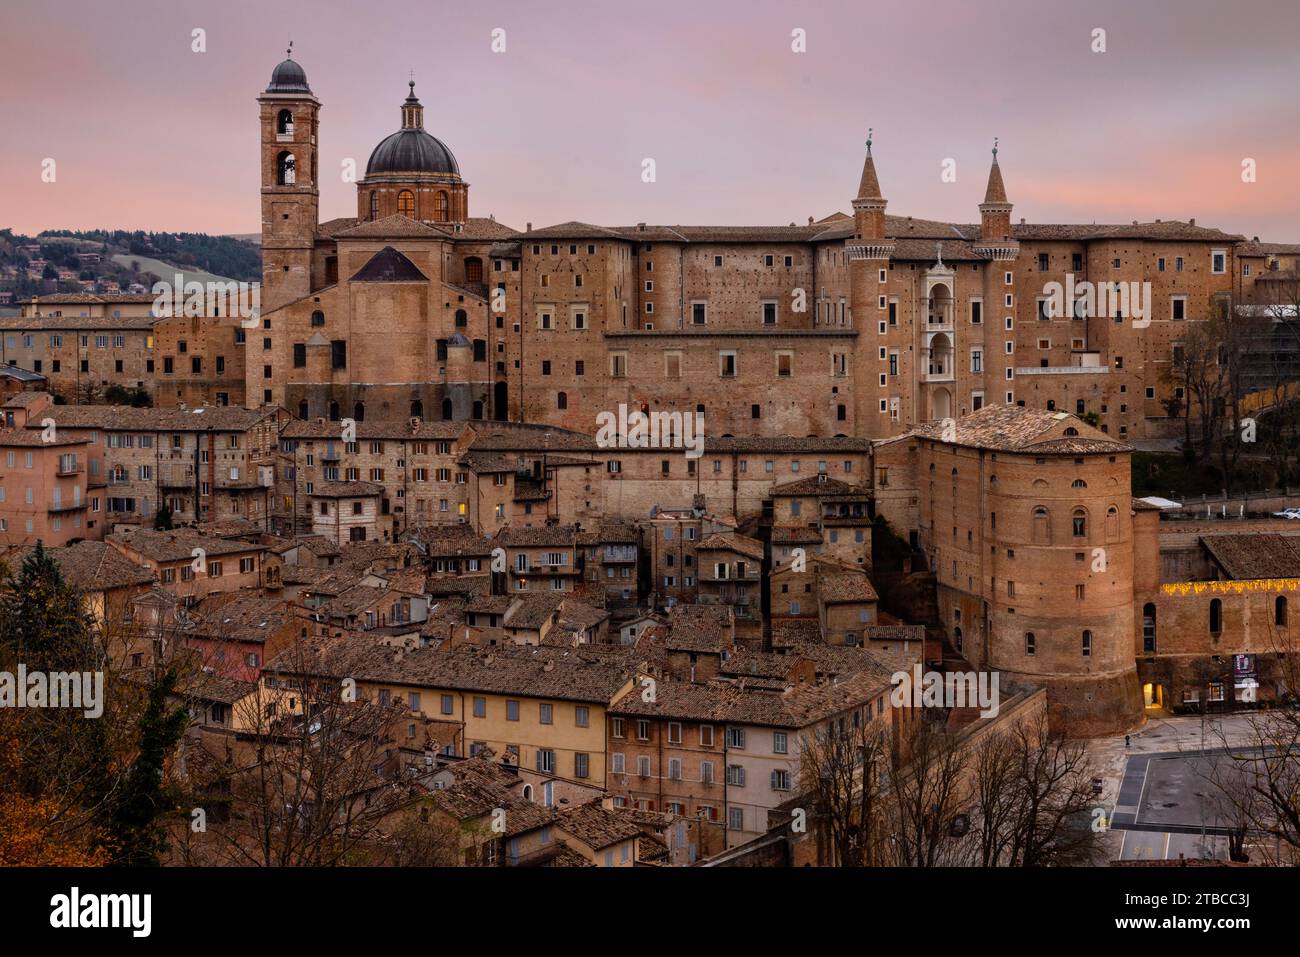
[(290, 186)]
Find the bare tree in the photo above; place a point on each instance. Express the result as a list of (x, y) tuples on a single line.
[(1052, 825), (309, 777), (841, 774), (924, 801)]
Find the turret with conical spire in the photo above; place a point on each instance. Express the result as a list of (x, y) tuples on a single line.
[(869, 205), (995, 211)]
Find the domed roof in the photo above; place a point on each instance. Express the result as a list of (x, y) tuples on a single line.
[(288, 77), (411, 149)]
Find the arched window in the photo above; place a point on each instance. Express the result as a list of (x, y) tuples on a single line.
[(1051, 405), (446, 410), (406, 203), (1112, 523), (1042, 526), (318, 318), (1149, 628), (359, 411), (284, 169), (1071, 431), (1079, 523), (1078, 483), (417, 408), (440, 206), (1087, 644), (956, 637), (334, 411), (562, 400), (374, 205), (1279, 611), (302, 409), (1216, 616), (462, 319), (1031, 644), (284, 123)]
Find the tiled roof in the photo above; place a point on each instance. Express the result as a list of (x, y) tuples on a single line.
[(373, 429), (448, 541), (332, 227), (738, 702), (795, 535), (611, 533), (701, 628), (904, 230), (735, 542), (88, 323), (390, 227), (207, 687), (1010, 428), (88, 297), (533, 609), (30, 438), (179, 543), (346, 490), (238, 616), (90, 566), (480, 229), (518, 536), (516, 436), (584, 674), (596, 826), (1254, 555), (839, 589), (123, 418)]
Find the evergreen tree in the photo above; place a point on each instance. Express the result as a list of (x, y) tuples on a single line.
[(163, 519), (134, 824)]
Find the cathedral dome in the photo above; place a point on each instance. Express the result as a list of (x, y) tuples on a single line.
[(288, 77), (411, 149)]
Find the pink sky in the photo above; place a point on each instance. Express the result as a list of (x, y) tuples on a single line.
[(148, 134)]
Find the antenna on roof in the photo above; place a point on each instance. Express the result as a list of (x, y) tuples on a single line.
[(289, 52)]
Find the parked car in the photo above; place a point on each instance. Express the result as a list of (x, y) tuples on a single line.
[(1287, 513)]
